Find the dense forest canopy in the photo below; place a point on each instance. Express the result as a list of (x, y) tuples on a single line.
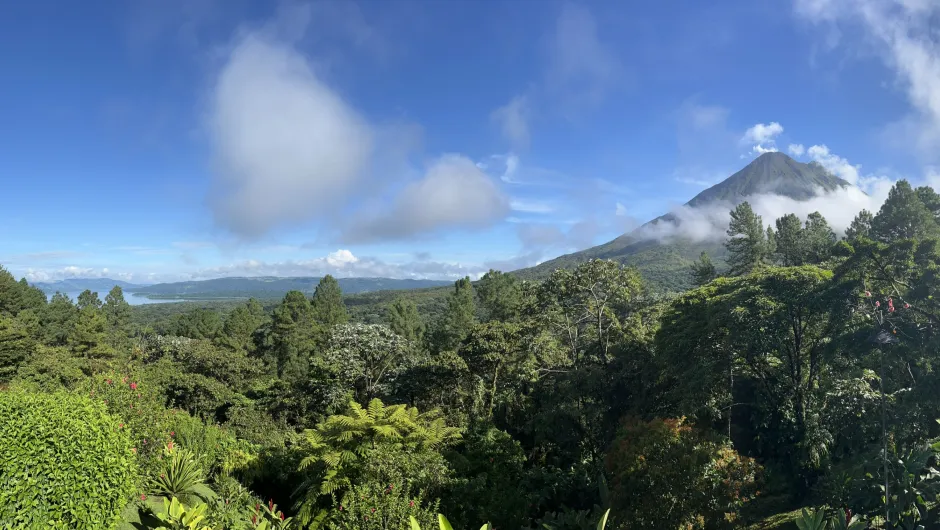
[(802, 374)]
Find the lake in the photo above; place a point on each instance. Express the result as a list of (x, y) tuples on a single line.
[(131, 299)]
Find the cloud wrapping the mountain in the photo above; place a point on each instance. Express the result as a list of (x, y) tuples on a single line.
[(796, 150)]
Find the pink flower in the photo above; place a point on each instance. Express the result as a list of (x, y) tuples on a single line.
[(868, 294), (120, 425), (411, 503), (906, 305), (172, 433), (133, 386), (143, 497), (109, 381), (877, 303)]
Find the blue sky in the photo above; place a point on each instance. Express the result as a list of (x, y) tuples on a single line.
[(163, 140)]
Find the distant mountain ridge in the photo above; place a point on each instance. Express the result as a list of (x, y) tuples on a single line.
[(234, 287), (665, 265), (71, 285)]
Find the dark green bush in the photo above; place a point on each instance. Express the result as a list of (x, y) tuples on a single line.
[(64, 462)]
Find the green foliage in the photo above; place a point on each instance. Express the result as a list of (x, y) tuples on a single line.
[(199, 324), (903, 216), (64, 462), (703, 270), (327, 307), (57, 320), (403, 319), (748, 248), (457, 319), (384, 443), (500, 295), (180, 476), (665, 474), (367, 358), (293, 335), (176, 516), (860, 227), (816, 520), (16, 346), (378, 506)]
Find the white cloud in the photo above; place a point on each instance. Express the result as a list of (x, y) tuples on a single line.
[(621, 210), (796, 150), (582, 67), (64, 273), (513, 119), (836, 165), (343, 264), (341, 258), (286, 145), (454, 193), (763, 137), (904, 33), (530, 206)]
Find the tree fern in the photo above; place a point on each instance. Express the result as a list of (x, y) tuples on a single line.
[(334, 449)]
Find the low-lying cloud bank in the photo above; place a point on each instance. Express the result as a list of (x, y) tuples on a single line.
[(710, 222)]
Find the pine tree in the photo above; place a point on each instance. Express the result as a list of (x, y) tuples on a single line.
[(860, 227), (11, 295), (903, 216), (747, 241), (88, 299), (703, 270), (293, 333), (58, 320), (15, 346), (458, 318), (819, 238), (328, 307), (240, 326), (791, 250)]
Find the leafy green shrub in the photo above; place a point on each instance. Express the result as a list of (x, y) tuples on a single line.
[(64, 462), (176, 516), (139, 407), (375, 506), (665, 474)]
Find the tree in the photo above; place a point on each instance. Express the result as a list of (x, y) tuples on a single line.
[(118, 314), (200, 323), (500, 295), (11, 295), (293, 333), (240, 325), (366, 358), (87, 298), (16, 346), (31, 297), (403, 318), (791, 247), (703, 270), (327, 303), (747, 244), (903, 216), (373, 443), (89, 336), (819, 239), (860, 227), (457, 319), (58, 319), (777, 326), (495, 354)]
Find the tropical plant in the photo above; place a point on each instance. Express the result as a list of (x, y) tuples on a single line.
[(64, 462), (339, 449), (444, 524), (816, 520), (181, 476), (176, 516)]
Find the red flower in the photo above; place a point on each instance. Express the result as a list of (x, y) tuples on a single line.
[(120, 425), (340, 507), (877, 303), (271, 504), (169, 446), (411, 503), (133, 386), (109, 381), (906, 305), (373, 510), (254, 519), (143, 497), (282, 515)]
